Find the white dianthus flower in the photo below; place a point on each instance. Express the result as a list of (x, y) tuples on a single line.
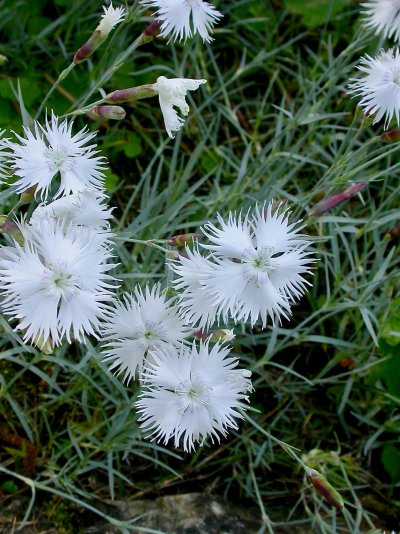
[(172, 93), (383, 16), (191, 393), (83, 209), (193, 271), (182, 18), (380, 87), (52, 149), (142, 322), (56, 285), (112, 16), (254, 269), (3, 157)]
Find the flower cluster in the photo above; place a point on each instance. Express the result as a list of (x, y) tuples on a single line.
[(379, 88), (56, 280)]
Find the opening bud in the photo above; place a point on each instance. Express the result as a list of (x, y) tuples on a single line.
[(320, 483), (109, 112), (112, 16)]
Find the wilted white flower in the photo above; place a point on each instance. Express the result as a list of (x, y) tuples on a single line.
[(182, 18), (191, 393), (52, 149), (83, 209), (383, 16), (172, 93), (56, 284), (112, 16), (142, 322), (380, 87), (254, 269)]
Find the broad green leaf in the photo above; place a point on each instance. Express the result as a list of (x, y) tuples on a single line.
[(391, 460)]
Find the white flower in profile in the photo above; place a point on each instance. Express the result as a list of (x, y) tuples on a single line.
[(383, 16), (181, 19), (111, 17), (172, 92), (83, 209), (191, 393), (49, 150), (258, 262), (141, 322), (56, 285), (380, 87)]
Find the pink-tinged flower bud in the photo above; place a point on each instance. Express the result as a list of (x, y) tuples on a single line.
[(391, 137), (334, 200), (221, 335), (152, 30), (320, 483), (12, 229), (112, 16), (109, 112), (130, 94), (92, 44), (394, 233), (181, 239)]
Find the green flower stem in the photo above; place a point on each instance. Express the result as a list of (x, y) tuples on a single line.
[(119, 62), (287, 448), (149, 243), (61, 77)]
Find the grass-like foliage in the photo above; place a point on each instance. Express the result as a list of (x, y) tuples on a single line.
[(273, 123)]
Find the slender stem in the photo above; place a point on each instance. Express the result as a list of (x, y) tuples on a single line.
[(86, 109), (123, 56), (61, 77), (287, 448), (149, 243)]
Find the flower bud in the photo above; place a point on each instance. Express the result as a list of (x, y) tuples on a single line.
[(334, 200), (12, 229), (221, 335), (152, 30), (28, 195), (320, 483), (3, 59), (181, 239), (109, 112), (130, 94), (394, 233), (391, 137)]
